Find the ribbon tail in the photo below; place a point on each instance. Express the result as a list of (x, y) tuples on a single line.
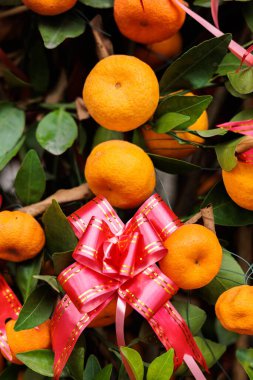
[(193, 367), (67, 325), (120, 318), (234, 47), (174, 333), (10, 308)]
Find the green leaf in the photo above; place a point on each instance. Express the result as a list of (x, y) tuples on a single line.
[(169, 121), (12, 80), (242, 81), (245, 358), (50, 280), (29, 374), (24, 275), (135, 361), (248, 14), (226, 212), (243, 115), (193, 315), (233, 92), (138, 139), (59, 235), (161, 367), (229, 64), (10, 373), (11, 153), (62, 260), (12, 121), (196, 67), (226, 154), (211, 351), (92, 368), (172, 165), (105, 373), (192, 106), (40, 361), (57, 132), (75, 364), (30, 182), (230, 275), (103, 134), (98, 3), (37, 308), (224, 336), (38, 66), (54, 30), (211, 132)]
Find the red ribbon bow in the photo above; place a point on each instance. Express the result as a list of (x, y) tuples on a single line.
[(113, 258)]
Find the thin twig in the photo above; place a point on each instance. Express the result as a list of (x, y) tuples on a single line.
[(61, 196), (13, 11)]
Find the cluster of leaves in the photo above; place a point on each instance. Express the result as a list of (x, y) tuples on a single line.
[(41, 120)]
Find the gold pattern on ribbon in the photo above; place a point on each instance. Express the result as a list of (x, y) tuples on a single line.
[(60, 310), (79, 221), (139, 304), (11, 299), (93, 291), (159, 280), (75, 332), (75, 271), (108, 216)]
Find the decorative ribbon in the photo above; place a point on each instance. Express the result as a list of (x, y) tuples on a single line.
[(246, 157), (244, 127), (234, 47), (113, 259), (10, 308)]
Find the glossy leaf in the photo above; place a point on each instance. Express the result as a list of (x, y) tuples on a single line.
[(226, 212), (37, 308), (230, 275), (30, 374), (161, 367), (248, 14), (30, 182), (92, 368), (230, 63), (224, 336), (192, 106), (62, 260), (103, 134), (54, 30), (211, 351), (24, 275), (98, 3), (172, 165), (243, 115), (57, 132), (50, 280), (245, 357), (12, 121), (4, 159), (211, 132), (135, 361), (169, 121), (105, 373), (226, 154), (242, 81), (196, 67), (40, 361), (59, 235), (192, 314), (75, 364)]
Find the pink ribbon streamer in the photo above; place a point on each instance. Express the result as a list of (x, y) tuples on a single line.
[(117, 259), (234, 47), (10, 308), (244, 127)]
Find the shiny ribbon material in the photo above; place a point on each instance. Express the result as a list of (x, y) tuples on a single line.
[(116, 259), (244, 127), (246, 157), (10, 308)]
